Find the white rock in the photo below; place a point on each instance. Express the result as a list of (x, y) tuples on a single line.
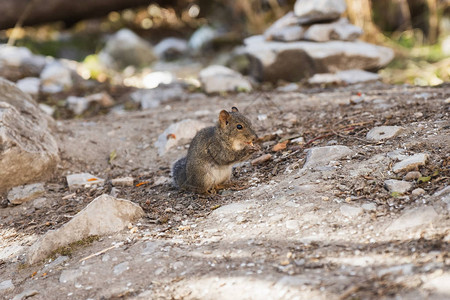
[(21, 194), (288, 20), (309, 11), (350, 211), (120, 268), (82, 180), (125, 48), (19, 62), (151, 98), (347, 77), (104, 215), (384, 132), (323, 155), (29, 151), (369, 206), (29, 85), (288, 34), (47, 109), (177, 134), (410, 163), (444, 195), (55, 78), (439, 285), (271, 61), (171, 48), (202, 38), (414, 217), (216, 79), (339, 30), (80, 104), (6, 285), (398, 186), (123, 181)]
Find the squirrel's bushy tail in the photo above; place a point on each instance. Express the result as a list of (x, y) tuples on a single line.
[(179, 172)]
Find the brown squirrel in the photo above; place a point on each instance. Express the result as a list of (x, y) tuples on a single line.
[(212, 153)]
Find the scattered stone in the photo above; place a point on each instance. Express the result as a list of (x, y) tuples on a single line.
[(25, 139), (120, 268), (418, 192), (339, 30), (47, 109), (346, 77), (299, 140), (439, 285), (58, 261), (414, 217), (162, 180), (444, 194), (125, 48), (21, 194), (217, 79), (6, 285), (233, 209), (413, 175), (397, 186), (272, 61), (309, 11), (80, 104), (288, 88), (82, 180), (384, 132), (19, 62), (292, 224), (104, 215), (350, 211), (29, 85), (369, 206), (288, 34), (151, 98), (410, 163), (261, 159), (123, 181), (171, 48), (323, 155), (25, 294), (202, 38), (177, 134), (289, 20), (55, 78)]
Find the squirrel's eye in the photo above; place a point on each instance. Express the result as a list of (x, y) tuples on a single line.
[(239, 126)]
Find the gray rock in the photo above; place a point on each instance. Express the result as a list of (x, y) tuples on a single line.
[(120, 268), (21, 194), (25, 139), (320, 156), (171, 48), (6, 285), (350, 211), (384, 132), (82, 180), (104, 215), (444, 195), (347, 77), (125, 48), (418, 192), (309, 11), (56, 78), (414, 217), (439, 285), (288, 20), (123, 181), (217, 79), (288, 34), (25, 294), (177, 134), (340, 30), (369, 206), (19, 62), (397, 186), (271, 61), (151, 98), (410, 163), (29, 85)]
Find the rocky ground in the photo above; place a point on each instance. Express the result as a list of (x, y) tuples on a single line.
[(320, 219)]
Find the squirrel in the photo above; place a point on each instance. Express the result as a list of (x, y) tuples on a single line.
[(212, 153)]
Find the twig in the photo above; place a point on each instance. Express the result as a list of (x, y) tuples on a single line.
[(23, 16), (101, 252)]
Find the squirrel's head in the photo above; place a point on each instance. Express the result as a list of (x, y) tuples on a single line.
[(236, 129)]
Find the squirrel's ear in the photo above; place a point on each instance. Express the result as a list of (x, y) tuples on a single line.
[(224, 116), (234, 109)]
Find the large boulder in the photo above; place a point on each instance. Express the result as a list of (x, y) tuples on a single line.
[(28, 151), (271, 61), (309, 11), (126, 48)]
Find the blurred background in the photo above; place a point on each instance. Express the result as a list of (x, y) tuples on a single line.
[(417, 30)]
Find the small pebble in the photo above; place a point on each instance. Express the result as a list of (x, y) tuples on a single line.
[(418, 192), (413, 175)]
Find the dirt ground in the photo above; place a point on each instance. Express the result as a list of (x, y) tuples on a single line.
[(285, 235)]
